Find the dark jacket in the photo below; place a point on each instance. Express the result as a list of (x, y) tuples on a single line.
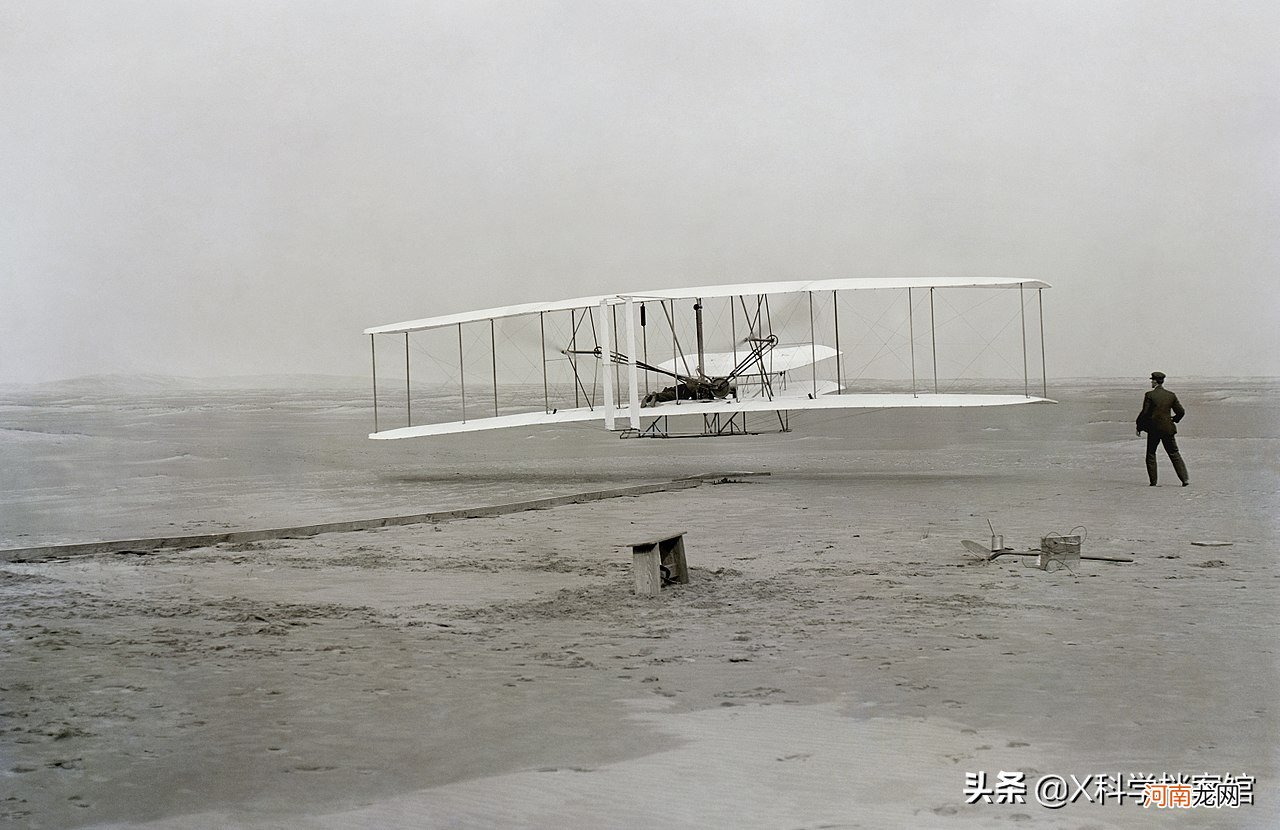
[(1155, 417)]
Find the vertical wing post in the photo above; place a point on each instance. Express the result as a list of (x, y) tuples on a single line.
[(633, 374), (606, 349)]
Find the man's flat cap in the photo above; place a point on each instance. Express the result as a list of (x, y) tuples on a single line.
[(1157, 375)]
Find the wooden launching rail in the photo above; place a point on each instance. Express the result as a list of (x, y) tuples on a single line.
[(302, 531)]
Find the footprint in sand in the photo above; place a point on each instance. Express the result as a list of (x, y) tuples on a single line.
[(757, 692), (66, 763)]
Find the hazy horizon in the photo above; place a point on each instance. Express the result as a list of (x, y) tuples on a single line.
[(212, 189), (270, 380)]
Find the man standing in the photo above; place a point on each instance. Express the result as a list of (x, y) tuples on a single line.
[(1160, 411)]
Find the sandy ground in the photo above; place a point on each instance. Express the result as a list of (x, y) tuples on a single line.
[(837, 660)]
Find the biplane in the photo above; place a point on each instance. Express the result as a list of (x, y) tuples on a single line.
[(728, 359)]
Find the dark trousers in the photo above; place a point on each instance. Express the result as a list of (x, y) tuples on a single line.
[(1170, 447)]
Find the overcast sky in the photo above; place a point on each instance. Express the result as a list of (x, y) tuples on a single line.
[(226, 188)]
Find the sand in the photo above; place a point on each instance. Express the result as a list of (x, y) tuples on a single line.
[(837, 659)]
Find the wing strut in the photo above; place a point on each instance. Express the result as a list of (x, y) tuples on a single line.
[(542, 333), (1044, 371), (933, 336), (462, 375), (835, 310), (493, 353), (911, 332), (633, 374), (1022, 310), (813, 346), (606, 375), (697, 317), (373, 352)]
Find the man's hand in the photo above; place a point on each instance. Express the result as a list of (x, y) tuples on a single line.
[(1139, 433)]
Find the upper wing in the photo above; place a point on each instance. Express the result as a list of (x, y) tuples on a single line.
[(708, 291)]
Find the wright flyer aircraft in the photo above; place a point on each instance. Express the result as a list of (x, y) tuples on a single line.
[(714, 360)]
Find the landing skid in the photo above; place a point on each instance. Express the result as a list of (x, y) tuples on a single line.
[(713, 426)]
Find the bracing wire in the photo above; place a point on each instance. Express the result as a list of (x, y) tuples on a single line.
[(986, 343)]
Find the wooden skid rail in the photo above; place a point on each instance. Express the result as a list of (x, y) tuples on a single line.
[(243, 536)]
